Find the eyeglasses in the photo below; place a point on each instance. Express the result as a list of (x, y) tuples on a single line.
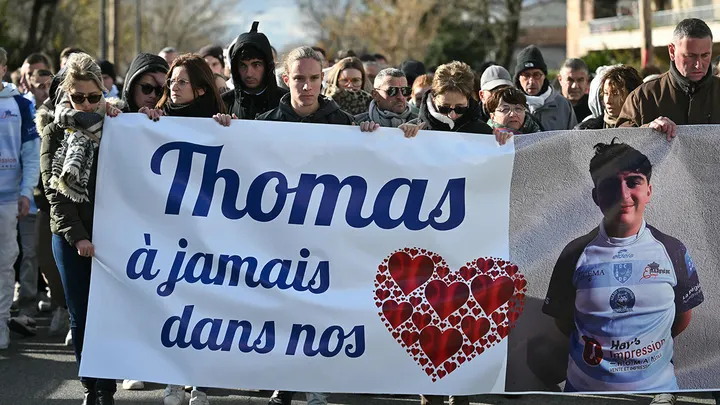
[(393, 91), (535, 75), (459, 110), (180, 82), (149, 88), (355, 82), (80, 98), (507, 110)]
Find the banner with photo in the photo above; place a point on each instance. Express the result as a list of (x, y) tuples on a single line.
[(243, 257)]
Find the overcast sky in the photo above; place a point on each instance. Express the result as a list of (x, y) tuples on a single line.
[(280, 20)]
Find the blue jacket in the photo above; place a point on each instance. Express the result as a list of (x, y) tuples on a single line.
[(19, 146)]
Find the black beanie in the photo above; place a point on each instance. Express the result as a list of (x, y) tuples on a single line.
[(215, 51), (530, 58), (107, 68)]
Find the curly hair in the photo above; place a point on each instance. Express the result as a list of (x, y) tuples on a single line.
[(622, 78)]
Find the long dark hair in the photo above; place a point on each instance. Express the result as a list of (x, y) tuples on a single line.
[(201, 77)]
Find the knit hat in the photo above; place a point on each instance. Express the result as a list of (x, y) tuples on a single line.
[(530, 58), (216, 51), (107, 68), (412, 70), (495, 76)]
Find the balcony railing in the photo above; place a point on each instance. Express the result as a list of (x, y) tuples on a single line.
[(665, 18)]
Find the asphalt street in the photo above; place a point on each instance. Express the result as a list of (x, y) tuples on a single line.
[(41, 370)]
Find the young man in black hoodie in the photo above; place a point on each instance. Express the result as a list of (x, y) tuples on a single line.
[(253, 74)]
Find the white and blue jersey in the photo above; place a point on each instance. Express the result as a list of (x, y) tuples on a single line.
[(19, 147), (623, 295)]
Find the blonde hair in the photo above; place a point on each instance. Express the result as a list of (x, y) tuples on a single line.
[(453, 76), (303, 52), (350, 62), (80, 66)]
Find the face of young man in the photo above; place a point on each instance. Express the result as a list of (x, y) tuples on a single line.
[(251, 73), (622, 199), (304, 81)]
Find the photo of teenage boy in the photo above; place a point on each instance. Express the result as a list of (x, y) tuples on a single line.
[(625, 290)]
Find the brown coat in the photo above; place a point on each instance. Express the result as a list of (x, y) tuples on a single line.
[(665, 97)]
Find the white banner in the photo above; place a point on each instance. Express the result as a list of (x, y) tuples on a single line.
[(301, 257)]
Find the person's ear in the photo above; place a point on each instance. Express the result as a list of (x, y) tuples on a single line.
[(492, 116), (201, 91), (649, 190), (285, 79), (595, 197), (671, 51)]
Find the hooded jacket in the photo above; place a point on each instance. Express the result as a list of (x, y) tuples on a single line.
[(329, 112), (143, 63), (19, 147), (470, 122), (674, 97), (238, 101)]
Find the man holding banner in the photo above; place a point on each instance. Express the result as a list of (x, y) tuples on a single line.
[(624, 291)]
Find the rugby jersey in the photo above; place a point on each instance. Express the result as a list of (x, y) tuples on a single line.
[(622, 294)]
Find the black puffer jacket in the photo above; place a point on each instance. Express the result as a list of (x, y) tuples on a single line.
[(143, 63), (469, 122), (328, 113), (241, 103)]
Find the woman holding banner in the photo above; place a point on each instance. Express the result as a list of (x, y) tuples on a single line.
[(190, 91), (68, 162)]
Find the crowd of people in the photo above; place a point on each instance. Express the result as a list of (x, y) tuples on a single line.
[(51, 126)]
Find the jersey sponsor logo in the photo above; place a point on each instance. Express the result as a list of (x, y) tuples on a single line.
[(633, 355), (695, 290), (7, 160), (623, 254), (653, 270), (589, 274), (622, 300), (7, 114), (592, 351), (622, 271)]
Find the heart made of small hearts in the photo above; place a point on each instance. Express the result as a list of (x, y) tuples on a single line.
[(445, 318)]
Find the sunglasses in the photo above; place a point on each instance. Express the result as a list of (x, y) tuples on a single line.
[(459, 110), (393, 91), (80, 98), (149, 88)]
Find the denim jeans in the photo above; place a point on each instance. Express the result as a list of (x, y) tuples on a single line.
[(75, 274), (28, 266), (8, 254)]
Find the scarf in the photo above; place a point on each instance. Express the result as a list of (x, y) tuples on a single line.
[(73, 160), (529, 126), (202, 107), (387, 118), (535, 102), (435, 114), (609, 121), (688, 86)]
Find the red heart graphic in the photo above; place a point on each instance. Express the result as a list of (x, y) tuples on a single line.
[(475, 328), (468, 303), (382, 294), (446, 299), (396, 313), (421, 320), (498, 317), (409, 338), (440, 346), (410, 273), (492, 294)]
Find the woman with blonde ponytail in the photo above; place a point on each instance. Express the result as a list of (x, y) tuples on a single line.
[(68, 163)]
